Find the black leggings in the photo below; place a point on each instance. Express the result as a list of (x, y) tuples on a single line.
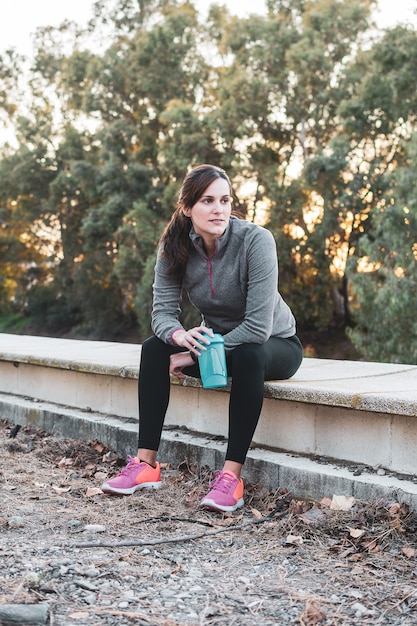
[(249, 365)]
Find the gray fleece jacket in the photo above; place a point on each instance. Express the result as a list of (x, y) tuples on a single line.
[(236, 291)]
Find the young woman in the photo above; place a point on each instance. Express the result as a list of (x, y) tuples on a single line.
[(229, 269)]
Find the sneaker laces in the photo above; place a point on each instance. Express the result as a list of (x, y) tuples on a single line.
[(131, 462), (223, 481)]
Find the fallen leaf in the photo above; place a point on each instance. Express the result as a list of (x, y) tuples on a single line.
[(65, 461), (79, 615), (89, 466), (313, 614), (356, 532), (93, 491), (404, 509), (98, 447), (408, 552), (100, 475), (300, 506), (256, 513), (346, 552), (342, 503), (61, 489), (325, 501), (294, 539), (371, 546), (394, 510), (229, 520), (396, 522)]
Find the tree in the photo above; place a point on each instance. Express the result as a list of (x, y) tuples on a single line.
[(25, 176), (280, 93), (384, 274), (124, 173), (310, 123)]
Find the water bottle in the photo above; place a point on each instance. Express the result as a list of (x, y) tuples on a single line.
[(212, 362)]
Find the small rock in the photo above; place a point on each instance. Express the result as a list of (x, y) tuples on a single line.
[(92, 572), (86, 585), (313, 516), (95, 528), (381, 472), (24, 509), (128, 593), (60, 500), (74, 523), (89, 598), (123, 605), (16, 521), (359, 609)]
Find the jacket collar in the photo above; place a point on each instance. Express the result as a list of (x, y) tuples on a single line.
[(221, 242)]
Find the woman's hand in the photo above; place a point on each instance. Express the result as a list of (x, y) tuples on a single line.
[(177, 362), (193, 339)]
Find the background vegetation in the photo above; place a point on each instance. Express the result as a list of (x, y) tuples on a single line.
[(310, 110)]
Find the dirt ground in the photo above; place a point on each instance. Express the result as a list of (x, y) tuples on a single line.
[(70, 555)]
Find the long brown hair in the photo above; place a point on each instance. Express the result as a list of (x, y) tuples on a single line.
[(175, 238)]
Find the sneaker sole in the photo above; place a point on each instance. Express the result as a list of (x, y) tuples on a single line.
[(128, 492), (213, 506)]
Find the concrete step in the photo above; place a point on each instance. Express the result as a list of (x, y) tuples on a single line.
[(304, 477)]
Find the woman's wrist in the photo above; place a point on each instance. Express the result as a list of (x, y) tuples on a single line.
[(175, 332)]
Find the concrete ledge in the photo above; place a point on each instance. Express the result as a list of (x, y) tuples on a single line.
[(364, 386), (378, 387), (304, 477), (350, 411)]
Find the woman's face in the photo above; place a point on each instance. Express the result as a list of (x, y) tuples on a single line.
[(211, 213)]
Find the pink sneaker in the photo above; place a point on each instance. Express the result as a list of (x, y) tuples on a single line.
[(226, 493), (136, 475)]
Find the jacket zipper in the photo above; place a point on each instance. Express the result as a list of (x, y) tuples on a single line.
[(209, 266), (210, 271)]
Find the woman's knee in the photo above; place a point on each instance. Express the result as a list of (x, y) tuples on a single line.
[(249, 356), (154, 347)]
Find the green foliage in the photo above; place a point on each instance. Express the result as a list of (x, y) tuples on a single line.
[(50, 310), (386, 293), (12, 323)]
